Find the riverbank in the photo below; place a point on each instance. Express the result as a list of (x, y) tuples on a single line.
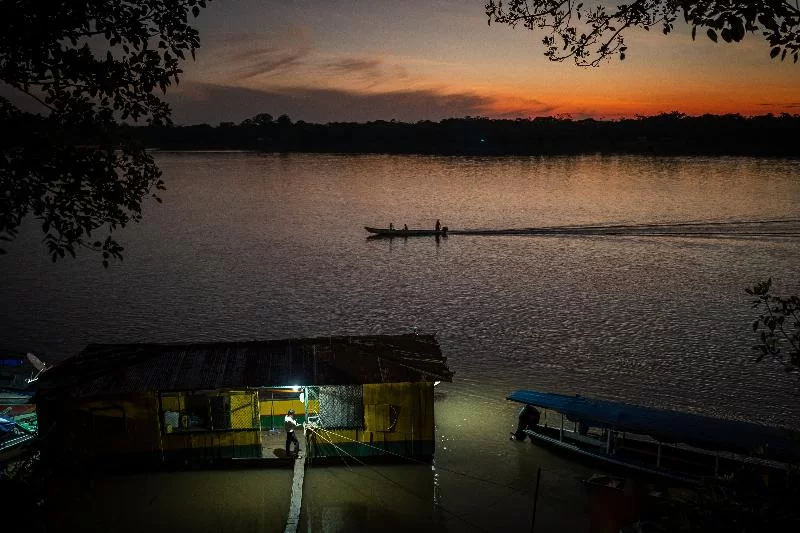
[(665, 134)]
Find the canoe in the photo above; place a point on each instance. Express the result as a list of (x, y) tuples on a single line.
[(386, 232), (671, 444)]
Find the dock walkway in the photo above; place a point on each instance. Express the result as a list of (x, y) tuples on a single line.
[(293, 520)]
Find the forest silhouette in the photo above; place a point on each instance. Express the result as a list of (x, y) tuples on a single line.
[(664, 134)]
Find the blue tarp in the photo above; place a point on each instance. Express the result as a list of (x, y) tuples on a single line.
[(6, 426), (671, 426)]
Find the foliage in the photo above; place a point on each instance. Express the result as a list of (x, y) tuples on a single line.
[(88, 65), (664, 134), (592, 33), (261, 119), (778, 326)]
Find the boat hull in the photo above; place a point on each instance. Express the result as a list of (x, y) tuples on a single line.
[(386, 232), (680, 446)]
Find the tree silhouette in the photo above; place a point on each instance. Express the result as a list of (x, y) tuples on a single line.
[(589, 34), (778, 326), (88, 65), (262, 119)]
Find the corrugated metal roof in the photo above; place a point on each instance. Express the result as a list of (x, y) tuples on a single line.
[(103, 369)]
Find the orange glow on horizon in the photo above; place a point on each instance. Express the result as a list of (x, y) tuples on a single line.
[(401, 60)]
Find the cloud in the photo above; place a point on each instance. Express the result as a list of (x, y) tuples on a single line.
[(371, 72), (206, 103), (246, 55), (789, 105), (267, 60), (533, 108), (353, 65)]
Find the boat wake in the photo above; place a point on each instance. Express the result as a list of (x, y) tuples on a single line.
[(785, 228)]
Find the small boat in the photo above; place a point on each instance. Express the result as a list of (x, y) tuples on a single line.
[(671, 444), (15, 397), (18, 423), (393, 232), (16, 438)]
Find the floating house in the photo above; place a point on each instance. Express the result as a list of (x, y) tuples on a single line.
[(152, 404)]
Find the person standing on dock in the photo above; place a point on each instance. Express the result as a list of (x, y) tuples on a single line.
[(438, 225), (291, 424)]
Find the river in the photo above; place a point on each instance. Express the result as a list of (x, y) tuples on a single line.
[(253, 246)]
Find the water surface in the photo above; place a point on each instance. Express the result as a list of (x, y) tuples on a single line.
[(251, 246)]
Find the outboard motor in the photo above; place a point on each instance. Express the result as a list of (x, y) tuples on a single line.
[(528, 419)]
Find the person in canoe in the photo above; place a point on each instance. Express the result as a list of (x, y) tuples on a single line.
[(438, 225), (391, 226), (405, 227)]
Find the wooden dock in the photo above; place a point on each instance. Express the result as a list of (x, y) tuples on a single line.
[(295, 505)]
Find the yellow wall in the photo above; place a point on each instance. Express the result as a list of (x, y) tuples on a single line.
[(211, 443), (281, 407), (244, 410), (131, 426), (415, 421), (415, 416)]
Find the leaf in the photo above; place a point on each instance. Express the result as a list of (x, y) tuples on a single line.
[(195, 11), (694, 32), (712, 35), (774, 52)]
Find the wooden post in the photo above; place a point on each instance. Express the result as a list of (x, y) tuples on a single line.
[(272, 411), (412, 434), (536, 497)]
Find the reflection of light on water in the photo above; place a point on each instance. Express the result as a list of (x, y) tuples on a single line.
[(437, 489)]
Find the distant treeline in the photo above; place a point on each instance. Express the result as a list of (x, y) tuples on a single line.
[(667, 134)]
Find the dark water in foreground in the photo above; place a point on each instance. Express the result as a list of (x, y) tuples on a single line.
[(250, 246)]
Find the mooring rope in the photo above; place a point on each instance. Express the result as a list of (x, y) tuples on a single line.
[(412, 459), (404, 488)]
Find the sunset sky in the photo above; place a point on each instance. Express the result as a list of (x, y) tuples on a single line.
[(348, 60)]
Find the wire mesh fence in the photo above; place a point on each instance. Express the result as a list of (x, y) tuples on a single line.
[(339, 407)]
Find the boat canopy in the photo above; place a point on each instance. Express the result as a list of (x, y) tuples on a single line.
[(671, 426)]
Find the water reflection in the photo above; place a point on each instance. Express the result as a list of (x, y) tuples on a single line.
[(211, 501)]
